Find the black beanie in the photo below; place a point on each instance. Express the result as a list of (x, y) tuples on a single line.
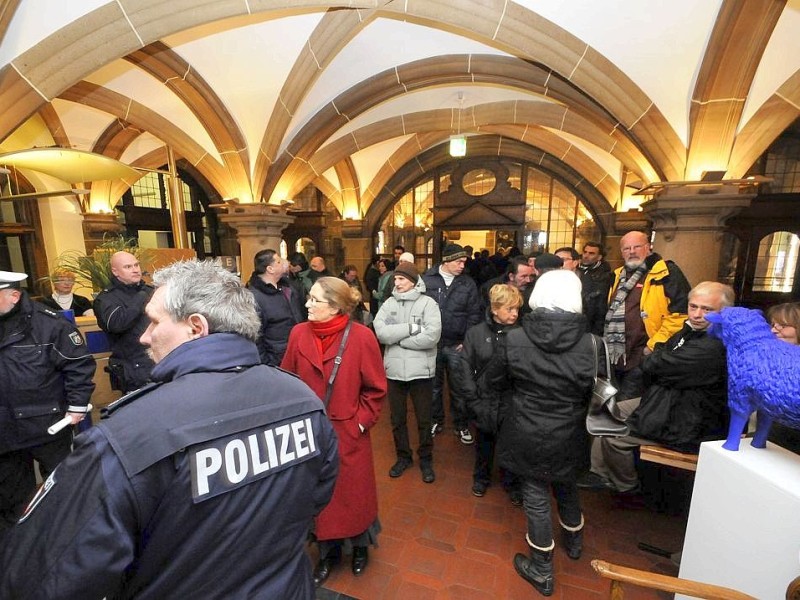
[(453, 252)]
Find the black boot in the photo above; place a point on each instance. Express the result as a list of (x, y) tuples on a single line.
[(537, 570), (360, 558), (325, 565), (572, 538)]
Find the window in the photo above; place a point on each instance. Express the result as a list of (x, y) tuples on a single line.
[(776, 262)]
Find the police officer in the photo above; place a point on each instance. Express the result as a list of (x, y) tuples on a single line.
[(202, 484), (45, 372), (120, 313)]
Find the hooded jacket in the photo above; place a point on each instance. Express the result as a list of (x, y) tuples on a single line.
[(410, 353), (549, 363), (484, 345)]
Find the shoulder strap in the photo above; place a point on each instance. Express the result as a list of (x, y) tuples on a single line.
[(336, 362), (594, 347)]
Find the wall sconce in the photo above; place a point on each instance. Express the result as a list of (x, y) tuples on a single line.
[(458, 146)]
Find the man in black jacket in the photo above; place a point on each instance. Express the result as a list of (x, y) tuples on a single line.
[(520, 275), (281, 305), (46, 373), (460, 305), (685, 394), (596, 277), (120, 313), (202, 484)]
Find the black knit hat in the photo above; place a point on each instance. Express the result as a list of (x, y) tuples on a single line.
[(453, 252), (407, 270)]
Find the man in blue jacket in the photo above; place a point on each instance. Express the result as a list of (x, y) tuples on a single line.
[(202, 484), (460, 304)]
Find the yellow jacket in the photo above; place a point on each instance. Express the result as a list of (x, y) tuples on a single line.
[(665, 299)]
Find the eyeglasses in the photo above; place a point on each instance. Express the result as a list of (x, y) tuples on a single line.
[(780, 326), (313, 300)]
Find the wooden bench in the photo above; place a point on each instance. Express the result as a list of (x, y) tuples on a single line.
[(664, 456)]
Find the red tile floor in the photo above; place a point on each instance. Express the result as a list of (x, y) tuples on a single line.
[(441, 542)]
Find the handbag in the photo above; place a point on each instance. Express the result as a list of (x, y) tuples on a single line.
[(603, 418)]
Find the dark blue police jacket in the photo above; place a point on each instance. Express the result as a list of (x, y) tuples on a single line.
[(202, 485)]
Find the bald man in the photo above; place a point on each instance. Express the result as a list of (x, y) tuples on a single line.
[(120, 313)]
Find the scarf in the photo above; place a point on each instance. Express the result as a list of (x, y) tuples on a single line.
[(615, 317), (325, 333)]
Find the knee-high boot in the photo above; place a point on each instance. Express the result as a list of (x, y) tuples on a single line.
[(538, 569), (572, 537)]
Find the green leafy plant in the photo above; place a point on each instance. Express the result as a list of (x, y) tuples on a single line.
[(94, 270)]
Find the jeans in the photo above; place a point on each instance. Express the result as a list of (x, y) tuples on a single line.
[(536, 502), (448, 358), (420, 391)]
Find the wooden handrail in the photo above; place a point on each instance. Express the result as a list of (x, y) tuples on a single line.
[(665, 456), (617, 573)]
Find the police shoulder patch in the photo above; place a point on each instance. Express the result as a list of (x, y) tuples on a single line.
[(76, 338), (43, 490)]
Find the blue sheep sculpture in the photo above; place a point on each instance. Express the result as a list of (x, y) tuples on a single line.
[(763, 374)]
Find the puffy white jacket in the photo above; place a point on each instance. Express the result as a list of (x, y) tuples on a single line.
[(409, 324)]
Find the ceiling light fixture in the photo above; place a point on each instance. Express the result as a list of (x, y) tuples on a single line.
[(458, 142)]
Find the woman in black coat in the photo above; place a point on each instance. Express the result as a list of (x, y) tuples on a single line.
[(550, 363), (482, 347)]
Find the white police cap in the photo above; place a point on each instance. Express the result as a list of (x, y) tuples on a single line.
[(9, 278)]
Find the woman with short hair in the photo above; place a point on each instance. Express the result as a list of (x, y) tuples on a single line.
[(353, 403)]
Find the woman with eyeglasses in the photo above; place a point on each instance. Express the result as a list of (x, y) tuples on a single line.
[(785, 320), (353, 403)]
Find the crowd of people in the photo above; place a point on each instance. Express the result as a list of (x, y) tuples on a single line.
[(173, 479)]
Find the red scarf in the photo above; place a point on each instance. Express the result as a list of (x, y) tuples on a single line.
[(325, 333)]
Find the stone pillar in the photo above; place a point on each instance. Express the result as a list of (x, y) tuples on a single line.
[(689, 222), (97, 225), (357, 245), (258, 226)]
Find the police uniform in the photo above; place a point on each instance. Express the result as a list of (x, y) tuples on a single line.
[(200, 485), (120, 313), (45, 370)]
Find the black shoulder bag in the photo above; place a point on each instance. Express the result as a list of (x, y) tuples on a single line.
[(603, 418)]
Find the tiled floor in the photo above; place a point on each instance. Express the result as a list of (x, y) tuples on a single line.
[(441, 542)]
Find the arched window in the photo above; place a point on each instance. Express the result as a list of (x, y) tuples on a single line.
[(776, 262)]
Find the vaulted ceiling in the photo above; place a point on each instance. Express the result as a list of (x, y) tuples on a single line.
[(265, 97)]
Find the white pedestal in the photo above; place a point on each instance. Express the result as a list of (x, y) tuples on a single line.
[(744, 521)]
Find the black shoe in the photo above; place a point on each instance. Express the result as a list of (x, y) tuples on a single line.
[(399, 467), (516, 497), (593, 481), (436, 428), (479, 489), (428, 476), (360, 559), (537, 572), (324, 567)]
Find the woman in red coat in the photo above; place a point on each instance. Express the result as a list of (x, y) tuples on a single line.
[(351, 518)]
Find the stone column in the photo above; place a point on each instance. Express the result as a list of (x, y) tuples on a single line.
[(97, 225), (357, 245), (689, 221), (257, 226)]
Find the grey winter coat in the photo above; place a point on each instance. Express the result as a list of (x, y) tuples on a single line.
[(409, 324)]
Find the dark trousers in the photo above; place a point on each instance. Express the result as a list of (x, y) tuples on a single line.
[(18, 478), (629, 383), (536, 501), (448, 360), (485, 444), (420, 391)]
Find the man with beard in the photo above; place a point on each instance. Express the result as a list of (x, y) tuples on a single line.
[(648, 303), (520, 274), (596, 278)]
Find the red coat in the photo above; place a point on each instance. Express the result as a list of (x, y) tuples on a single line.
[(359, 388)]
